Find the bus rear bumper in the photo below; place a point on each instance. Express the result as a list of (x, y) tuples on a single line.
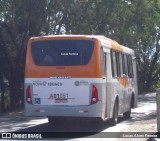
[(94, 110)]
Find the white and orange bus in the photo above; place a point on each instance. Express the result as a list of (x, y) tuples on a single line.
[(86, 76)]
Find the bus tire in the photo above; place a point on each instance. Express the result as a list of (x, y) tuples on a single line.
[(127, 114), (114, 119), (51, 120)]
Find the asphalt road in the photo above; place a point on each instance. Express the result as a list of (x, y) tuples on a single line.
[(143, 119)]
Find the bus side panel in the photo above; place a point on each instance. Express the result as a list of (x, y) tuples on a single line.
[(123, 94), (117, 91)]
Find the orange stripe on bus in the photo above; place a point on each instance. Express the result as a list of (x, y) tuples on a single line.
[(123, 81), (116, 46)]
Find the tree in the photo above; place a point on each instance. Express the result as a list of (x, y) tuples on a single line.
[(147, 42), (16, 26)]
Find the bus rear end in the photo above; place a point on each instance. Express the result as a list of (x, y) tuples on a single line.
[(63, 77)]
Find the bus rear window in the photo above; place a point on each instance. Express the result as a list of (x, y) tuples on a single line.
[(62, 52)]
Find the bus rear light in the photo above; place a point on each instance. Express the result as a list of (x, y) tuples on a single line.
[(94, 98), (83, 111), (28, 95)]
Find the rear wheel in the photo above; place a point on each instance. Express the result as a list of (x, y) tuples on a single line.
[(114, 119), (127, 114)]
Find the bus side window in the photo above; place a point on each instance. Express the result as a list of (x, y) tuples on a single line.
[(113, 63), (130, 66), (123, 64), (104, 62), (118, 64), (126, 64)]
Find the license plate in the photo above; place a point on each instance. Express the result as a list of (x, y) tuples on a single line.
[(61, 98)]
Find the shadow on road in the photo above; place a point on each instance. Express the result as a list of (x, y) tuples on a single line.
[(71, 128)]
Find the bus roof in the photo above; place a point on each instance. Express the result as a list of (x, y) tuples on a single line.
[(107, 42), (115, 45)]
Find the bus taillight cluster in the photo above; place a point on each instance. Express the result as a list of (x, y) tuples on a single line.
[(28, 95), (94, 95)]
